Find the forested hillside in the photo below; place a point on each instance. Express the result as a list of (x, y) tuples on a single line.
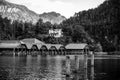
[(18, 30), (101, 25)]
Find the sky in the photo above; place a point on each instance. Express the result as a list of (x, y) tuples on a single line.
[(66, 8)]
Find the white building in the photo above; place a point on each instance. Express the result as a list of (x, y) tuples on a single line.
[(55, 32)]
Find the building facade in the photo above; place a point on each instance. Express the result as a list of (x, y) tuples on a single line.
[(55, 33)]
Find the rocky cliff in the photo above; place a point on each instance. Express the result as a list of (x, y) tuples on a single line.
[(17, 12)]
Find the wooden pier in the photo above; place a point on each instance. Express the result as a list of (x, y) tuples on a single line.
[(78, 74)]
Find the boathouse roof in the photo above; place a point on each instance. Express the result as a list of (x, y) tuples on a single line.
[(57, 46), (76, 46), (9, 41), (31, 41), (47, 45), (9, 44)]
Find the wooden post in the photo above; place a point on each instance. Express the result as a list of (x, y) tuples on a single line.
[(14, 51), (61, 52), (41, 51), (29, 51), (18, 52), (21, 51), (38, 59), (92, 73), (57, 52), (92, 66), (48, 52), (25, 52), (85, 67), (76, 63), (32, 52), (85, 64), (92, 59), (38, 52), (68, 72), (51, 52)]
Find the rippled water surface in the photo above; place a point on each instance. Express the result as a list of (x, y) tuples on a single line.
[(53, 68)]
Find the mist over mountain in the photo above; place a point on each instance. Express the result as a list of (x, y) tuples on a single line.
[(53, 17)]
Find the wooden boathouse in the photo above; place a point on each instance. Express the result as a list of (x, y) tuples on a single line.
[(9, 44), (76, 48), (34, 46)]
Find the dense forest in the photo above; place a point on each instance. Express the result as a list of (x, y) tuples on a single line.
[(14, 30), (100, 24), (98, 27)]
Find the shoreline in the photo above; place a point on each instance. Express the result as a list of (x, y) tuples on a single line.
[(35, 53), (96, 55)]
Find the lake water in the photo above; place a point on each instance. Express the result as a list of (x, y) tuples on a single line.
[(54, 67)]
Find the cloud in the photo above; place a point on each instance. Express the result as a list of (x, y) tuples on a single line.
[(73, 1)]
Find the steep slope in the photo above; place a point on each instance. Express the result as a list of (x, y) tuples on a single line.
[(17, 12), (101, 23), (53, 17)]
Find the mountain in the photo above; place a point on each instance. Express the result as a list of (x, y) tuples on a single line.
[(53, 17), (17, 12), (101, 23), (22, 13)]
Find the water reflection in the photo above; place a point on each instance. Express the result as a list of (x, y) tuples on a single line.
[(54, 67), (107, 69)]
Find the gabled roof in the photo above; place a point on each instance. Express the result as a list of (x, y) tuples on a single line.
[(48, 46), (57, 46), (76, 46), (31, 41), (39, 45), (9, 41), (9, 44)]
